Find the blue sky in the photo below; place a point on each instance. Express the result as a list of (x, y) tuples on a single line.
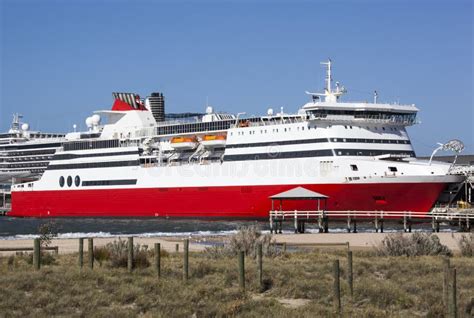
[(61, 60)]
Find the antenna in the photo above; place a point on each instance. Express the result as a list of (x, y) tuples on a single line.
[(328, 75), (375, 97), (329, 95)]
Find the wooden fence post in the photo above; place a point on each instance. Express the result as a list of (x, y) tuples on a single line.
[(350, 278), (91, 252), (186, 260), (260, 266), (446, 267), (81, 252), (130, 254), (37, 254), (158, 259), (453, 312), (337, 287), (242, 270)]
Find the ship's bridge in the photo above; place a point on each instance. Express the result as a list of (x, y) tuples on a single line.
[(326, 107), (362, 112)]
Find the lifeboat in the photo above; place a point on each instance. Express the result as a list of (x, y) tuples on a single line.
[(184, 143), (213, 141)]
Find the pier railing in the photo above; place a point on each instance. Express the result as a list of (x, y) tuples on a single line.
[(463, 217)]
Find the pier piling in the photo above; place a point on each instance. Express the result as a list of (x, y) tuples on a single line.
[(177, 247)]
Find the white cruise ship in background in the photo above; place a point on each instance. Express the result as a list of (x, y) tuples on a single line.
[(133, 162), (25, 154)]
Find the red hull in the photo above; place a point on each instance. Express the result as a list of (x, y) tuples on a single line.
[(219, 202)]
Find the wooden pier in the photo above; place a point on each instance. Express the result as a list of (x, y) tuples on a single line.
[(462, 218)]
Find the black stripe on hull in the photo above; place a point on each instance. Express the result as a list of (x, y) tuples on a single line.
[(88, 165), (93, 183)]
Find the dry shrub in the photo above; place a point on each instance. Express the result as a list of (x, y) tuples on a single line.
[(246, 240), (101, 254), (466, 245), (118, 254), (45, 259), (416, 244)]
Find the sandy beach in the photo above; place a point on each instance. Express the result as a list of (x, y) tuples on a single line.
[(356, 241)]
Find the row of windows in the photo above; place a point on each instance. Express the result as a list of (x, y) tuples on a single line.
[(91, 144), (33, 135), (24, 165), (302, 128), (195, 127), (31, 146), (62, 181), (372, 141), (315, 153), (26, 159), (319, 140), (371, 152), (323, 113), (279, 155), (109, 182), (29, 152), (77, 182)]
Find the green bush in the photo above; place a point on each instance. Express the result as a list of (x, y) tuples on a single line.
[(47, 232), (416, 244)]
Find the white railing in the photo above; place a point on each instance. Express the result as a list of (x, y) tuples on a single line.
[(449, 214)]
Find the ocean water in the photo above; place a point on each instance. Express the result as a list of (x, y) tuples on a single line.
[(18, 228)]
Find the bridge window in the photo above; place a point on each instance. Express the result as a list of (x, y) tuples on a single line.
[(354, 168), (393, 169)]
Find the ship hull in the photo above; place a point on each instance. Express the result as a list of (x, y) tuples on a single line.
[(245, 202)]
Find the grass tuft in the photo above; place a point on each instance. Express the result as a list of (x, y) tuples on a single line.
[(466, 245)]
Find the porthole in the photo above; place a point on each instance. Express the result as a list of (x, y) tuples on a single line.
[(69, 181), (61, 181), (77, 181)]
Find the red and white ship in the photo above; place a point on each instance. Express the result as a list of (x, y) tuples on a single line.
[(137, 164)]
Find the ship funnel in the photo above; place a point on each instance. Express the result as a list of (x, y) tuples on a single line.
[(156, 102), (132, 99)]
